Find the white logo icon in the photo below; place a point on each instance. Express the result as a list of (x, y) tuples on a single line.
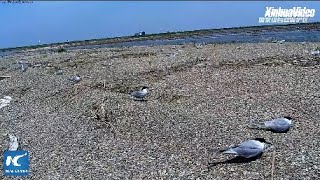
[(14, 160)]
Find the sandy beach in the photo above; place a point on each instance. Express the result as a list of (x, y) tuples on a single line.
[(202, 98)]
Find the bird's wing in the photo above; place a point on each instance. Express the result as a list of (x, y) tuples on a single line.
[(277, 124), (231, 149), (281, 122), (137, 94), (248, 149), (74, 79), (247, 152)]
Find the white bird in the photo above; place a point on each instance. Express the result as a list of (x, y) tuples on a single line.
[(5, 101), (278, 125), (315, 53), (140, 94), (248, 149), (59, 72), (23, 66), (75, 79), (13, 143)]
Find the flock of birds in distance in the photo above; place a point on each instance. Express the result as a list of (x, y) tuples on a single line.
[(247, 149)]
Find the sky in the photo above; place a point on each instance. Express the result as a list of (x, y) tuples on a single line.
[(59, 21)]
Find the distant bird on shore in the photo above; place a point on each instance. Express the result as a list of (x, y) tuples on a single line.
[(278, 125), (59, 72), (5, 101), (13, 143), (23, 66), (248, 149), (75, 79), (315, 53), (140, 94)]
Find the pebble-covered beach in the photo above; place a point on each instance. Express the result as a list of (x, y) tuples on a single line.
[(202, 98)]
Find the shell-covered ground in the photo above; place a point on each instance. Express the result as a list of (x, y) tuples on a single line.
[(202, 98)]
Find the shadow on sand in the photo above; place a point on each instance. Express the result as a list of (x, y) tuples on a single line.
[(236, 160), (141, 100)]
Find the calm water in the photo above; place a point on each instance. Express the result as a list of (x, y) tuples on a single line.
[(288, 36)]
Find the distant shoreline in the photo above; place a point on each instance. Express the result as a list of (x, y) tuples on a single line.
[(175, 35)]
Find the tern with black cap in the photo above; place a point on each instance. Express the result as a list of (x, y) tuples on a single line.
[(141, 94), (278, 125), (248, 149)]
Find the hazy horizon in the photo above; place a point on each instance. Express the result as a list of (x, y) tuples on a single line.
[(50, 22)]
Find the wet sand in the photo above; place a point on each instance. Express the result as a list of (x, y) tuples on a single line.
[(202, 99)]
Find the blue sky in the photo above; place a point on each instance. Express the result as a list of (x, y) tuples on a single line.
[(26, 24)]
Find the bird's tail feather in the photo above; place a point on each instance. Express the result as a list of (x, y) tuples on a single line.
[(256, 125), (218, 151)]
